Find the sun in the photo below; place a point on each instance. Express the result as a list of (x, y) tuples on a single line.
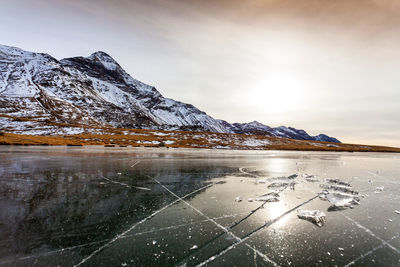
[(278, 93)]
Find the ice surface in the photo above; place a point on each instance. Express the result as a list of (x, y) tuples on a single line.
[(316, 216), (172, 224)]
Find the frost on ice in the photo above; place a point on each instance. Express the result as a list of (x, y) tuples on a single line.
[(315, 216)]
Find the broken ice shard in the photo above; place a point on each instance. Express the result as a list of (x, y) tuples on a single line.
[(282, 183), (268, 198), (238, 199), (315, 216), (310, 177), (337, 181), (339, 188), (340, 201), (379, 189)]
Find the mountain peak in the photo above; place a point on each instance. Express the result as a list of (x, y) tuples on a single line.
[(14, 51), (104, 59), (100, 54)]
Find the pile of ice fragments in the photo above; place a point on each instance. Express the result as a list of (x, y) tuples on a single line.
[(341, 196), (338, 193)]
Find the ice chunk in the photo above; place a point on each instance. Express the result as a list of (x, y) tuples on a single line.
[(282, 183), (379, 189), (273, 193), (268, 198), (397, 211), (338, 182), (261, 181), (322, 196), (238, 199), (340, 189), (340, 201), (310, 178), (194, 247), (315, 216), (250, 200), (293, 176)]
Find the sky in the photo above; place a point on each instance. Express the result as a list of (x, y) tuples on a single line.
[(323, 66)]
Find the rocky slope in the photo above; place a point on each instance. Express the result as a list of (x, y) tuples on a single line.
[(96, 90)]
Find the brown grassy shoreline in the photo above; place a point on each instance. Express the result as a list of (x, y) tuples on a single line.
[(184, 139)]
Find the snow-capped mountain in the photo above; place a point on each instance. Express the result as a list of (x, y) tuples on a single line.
[(95, 90), (255, 127)]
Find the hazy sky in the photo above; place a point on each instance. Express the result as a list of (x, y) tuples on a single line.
[(324, 66)]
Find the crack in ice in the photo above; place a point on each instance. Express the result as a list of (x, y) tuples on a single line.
[(269, 223), (125, 236), (136, 224), (371, 233), (226, 230), (126, 185), (368, 253)]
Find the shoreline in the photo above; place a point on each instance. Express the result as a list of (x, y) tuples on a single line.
[(189, 140)]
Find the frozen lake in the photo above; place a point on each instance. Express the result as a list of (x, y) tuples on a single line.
[(95, 206)]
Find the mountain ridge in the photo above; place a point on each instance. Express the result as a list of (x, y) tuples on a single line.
[(96, 90)]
